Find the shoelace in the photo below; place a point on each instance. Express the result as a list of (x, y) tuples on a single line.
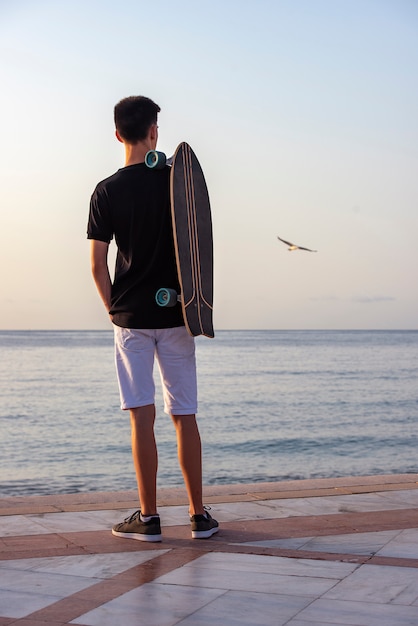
[(206, 512), (133, 516)]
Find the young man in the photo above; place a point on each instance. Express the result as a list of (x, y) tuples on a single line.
[(133, 206)]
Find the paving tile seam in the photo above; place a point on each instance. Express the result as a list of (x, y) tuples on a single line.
[(79, 542), (215, 500), (377, 519), (22, 621), (109, 589), (30, 622), (214, 545), (319, 526), (92, 597), (234, 534), (21, 505), (343, 557)]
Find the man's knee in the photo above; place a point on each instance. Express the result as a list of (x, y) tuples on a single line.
[(180, 420), (143, 414)]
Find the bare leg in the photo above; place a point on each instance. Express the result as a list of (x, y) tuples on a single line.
[(189, 451), (145, 457)]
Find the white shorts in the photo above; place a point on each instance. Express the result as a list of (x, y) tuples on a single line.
[(174, 348)]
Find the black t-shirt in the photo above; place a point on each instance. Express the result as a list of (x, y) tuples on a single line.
[(133, 206)]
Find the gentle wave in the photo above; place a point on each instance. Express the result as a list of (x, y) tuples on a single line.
[(274, 405)]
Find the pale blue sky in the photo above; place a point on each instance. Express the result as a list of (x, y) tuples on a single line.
[(303, 114)]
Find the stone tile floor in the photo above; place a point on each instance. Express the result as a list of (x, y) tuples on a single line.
[(324, 552)]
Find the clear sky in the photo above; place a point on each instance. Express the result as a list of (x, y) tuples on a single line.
[(303, 114)]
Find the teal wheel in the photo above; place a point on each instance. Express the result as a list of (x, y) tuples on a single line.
[(166, 297), (155, 160)]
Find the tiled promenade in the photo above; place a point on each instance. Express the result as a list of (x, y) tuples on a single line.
[(324, 552)]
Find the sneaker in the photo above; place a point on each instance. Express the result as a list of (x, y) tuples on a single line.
[(203, 526), (134, 528)]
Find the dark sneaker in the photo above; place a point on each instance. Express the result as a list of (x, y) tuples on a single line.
[(203, 526), (134, 528)]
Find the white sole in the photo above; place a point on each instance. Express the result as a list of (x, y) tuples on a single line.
[(138, 536), (204, 534)]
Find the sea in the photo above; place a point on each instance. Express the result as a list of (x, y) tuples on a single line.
[(273, 406)]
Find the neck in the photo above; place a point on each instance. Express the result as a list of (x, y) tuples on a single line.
[(135, 153)]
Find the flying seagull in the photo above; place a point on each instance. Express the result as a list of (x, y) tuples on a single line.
[(293, 247)]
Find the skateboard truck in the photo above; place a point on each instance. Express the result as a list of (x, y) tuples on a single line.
[(167, 297), (157, 160)]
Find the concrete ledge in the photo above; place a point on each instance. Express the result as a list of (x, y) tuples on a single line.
[(174, 496)]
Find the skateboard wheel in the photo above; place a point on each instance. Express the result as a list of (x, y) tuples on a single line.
[(166, 297), (155, 160)]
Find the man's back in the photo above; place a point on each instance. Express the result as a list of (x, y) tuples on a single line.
[(133, 206)]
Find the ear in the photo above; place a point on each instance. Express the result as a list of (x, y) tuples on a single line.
[(153, 132), (118, 137)]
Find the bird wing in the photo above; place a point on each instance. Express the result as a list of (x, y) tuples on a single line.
[(284, 241), (295, 247)]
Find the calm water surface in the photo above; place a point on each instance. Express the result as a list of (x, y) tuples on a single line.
[(274, 405)]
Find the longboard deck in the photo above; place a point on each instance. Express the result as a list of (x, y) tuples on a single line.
[(192, 230)]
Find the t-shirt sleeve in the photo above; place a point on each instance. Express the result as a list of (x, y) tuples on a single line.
[(100, 223)]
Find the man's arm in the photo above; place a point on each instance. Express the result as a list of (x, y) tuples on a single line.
[(100, 270)]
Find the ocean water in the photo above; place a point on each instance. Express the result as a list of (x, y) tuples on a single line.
[(273, 405)]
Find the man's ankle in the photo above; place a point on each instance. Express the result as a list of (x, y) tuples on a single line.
[(196, 511), (147, 518)]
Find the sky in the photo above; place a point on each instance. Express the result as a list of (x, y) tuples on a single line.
[(303, 114)]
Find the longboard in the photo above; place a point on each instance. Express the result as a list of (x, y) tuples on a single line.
[(193, 243)]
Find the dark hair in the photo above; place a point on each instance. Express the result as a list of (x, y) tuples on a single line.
[(134, 116)]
